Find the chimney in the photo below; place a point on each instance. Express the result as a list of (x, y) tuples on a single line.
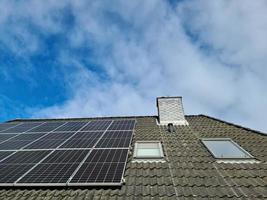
[(170, 110)]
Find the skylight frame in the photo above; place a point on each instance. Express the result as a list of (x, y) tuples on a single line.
[(249, 156), (159, 145)]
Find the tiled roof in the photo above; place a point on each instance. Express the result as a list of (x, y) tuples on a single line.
[(190, 172)]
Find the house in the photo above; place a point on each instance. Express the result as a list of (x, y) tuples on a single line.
[(171, 156)]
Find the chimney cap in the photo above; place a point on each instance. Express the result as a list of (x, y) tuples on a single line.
[(167, 97), (170, 110)]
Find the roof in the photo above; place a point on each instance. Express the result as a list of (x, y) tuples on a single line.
[(190, 172)]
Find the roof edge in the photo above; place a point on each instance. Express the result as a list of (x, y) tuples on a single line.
[(79, 118), (236, 125)]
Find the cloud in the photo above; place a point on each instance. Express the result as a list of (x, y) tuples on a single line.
[(210, 52)]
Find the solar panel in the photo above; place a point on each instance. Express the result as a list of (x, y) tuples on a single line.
[(56, 168), (26, 157), (58, 136), (87, 135), (82, 140), (97, 125), (102, 166), (4, 154), (9, 173), (122, 125), (44, 144), (22, 127), (71, 126), (31, 137), (115, 139), (5, 126), (50, 141), (49, 173), (65, 153), (79, 143), (14, 144), (66, 156), (18, 141), (18, 164), (47, 127), (4, 137)]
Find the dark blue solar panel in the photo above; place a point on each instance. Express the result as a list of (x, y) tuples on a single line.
[(44, 144), (65, 153), (9, 173), (97, 125), (6, 136), (71, 126), (14, 144), (26, 157), (22, 127), (115, 139), (66, 156), (82, 140), (50, 173), (122, 125), (105, 165), (47, 127), (5, 126), (31, 137), (5, 154), (56, 168)]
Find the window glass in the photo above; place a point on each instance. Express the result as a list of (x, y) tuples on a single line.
[(225, 148), (148, 153), (148, 150)]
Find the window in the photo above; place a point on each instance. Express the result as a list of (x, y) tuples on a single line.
[(225, 148), (148, 149)]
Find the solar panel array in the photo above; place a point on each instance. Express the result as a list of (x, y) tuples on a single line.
[(64, 153)]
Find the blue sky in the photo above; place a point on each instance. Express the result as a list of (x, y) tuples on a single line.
[(97, 58)]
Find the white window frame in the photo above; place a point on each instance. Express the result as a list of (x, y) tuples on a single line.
[(227, 158), (148, 157)]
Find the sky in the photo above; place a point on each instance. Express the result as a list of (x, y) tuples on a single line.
[(85, 58)]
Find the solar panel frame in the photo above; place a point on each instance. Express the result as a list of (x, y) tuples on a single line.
[(94, 170), (48, 174), (37, 184), (117, 182), (55, 168), (12, 172)]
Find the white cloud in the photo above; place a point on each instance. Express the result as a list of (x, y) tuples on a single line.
[(145, 51)]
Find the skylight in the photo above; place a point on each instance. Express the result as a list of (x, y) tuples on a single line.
[(148, 149), (225, 148)]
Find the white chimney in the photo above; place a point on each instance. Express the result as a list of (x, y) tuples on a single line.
[(170, 110)]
